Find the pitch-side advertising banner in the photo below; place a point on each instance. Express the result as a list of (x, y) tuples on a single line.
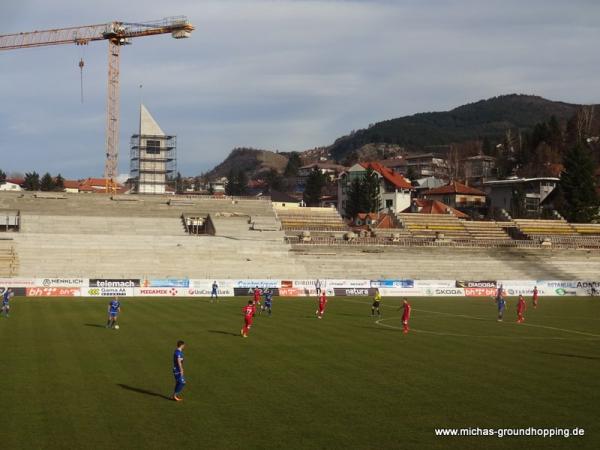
[(565, 287)]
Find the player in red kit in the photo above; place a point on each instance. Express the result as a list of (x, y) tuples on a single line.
[(405, 316), (521, 307), (257, 294), (535, 296), (322, 302), (248, 312)]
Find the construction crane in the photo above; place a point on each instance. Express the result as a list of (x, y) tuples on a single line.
[(117, 34)]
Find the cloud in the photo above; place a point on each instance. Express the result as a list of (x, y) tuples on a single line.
[(287, 75)]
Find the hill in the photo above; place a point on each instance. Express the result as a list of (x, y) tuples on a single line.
[(483, 119), (253, 161)]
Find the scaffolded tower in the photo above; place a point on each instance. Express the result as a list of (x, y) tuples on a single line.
[(153, 156)]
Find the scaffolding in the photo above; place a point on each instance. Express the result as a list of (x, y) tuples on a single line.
[(153, 161)]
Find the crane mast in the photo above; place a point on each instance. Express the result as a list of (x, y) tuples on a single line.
[(117, 34)]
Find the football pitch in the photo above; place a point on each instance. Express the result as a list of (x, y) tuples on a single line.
[(348, 381)]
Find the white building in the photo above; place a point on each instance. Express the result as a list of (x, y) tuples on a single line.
[(394, 189), (153, 156), (8, 186)]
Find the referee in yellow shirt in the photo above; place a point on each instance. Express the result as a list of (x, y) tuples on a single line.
[(376, 303)]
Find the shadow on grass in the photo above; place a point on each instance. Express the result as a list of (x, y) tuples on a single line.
[(228, 333), (142, 391), (94, 325), (571, 355)]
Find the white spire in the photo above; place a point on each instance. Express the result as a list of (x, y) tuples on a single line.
[(148, 125)]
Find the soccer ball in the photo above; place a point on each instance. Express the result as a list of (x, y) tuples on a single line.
[(116, 327)]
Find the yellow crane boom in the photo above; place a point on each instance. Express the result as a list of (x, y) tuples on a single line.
[(117, 34)]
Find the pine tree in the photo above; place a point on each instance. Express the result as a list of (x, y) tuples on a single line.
[(47, 182), (370, 189), (293, 164), (578, 186), (2, 176), (178, 184), (32, 181), (59, 183), (314, 187), (355, 199)]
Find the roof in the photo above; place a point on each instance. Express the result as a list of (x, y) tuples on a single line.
[(520, 180), (434, 207), (429, 182), (324, 165), (481, 157), (282, 197), (18, 181), (393, 162), (148, 125), (395, 179), (71, 184), (454, 187), (380, 221)]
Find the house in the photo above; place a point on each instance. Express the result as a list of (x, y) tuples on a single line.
[(422, 206), (97, 185), (218, 186), (331, 170), (380, 221), (456, 195), (478, 169), (282, 200), (397, 164), (521, 197), (394, 189), (427, 183), (427, 165), (71, 186)]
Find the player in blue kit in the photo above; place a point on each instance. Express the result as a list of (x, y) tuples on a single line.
[(8, 294), (178, 371), (500, 302), (214, 293), (268, 303), (114, 308)]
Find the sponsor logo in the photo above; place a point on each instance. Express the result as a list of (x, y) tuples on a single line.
[(392, 283), (50, 282), (167, 282), (107, 283), (480, 292), (448, 291), (475, 284), (251, 284), (348, 283), (291, 292), (199, 292), (561, 292), (52, 292), (109, 292)]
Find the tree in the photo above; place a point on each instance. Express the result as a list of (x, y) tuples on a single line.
[(237, 182), (578, 186), (370, 189), (59, 183), (411, 175), (178, 184), (274, 180), (32, 181), (47, 182), (2, 176), (293, 164), (354, 203), (314, 187)]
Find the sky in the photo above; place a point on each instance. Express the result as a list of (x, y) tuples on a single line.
[(279, 74)]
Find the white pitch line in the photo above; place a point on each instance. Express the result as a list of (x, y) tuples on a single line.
[(593, 337)]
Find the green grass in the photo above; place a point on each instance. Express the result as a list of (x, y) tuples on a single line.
[(297, 382)]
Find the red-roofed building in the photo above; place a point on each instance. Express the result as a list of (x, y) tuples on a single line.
[(97, 185), (394, 189), (456, 195), (71, 186), (422, 206), (366, 221)]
